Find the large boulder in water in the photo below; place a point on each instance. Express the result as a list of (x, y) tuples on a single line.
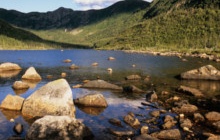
[(101, 84), (207, 72), (55, 98), (59, 128), (31, 74), (9, 66), (92, 100), (12, 102)]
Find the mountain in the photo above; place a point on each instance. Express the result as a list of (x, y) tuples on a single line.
[(68, 18)]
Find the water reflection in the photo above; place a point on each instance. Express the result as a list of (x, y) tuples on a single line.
[(20, 91), (92, 110), (31, 83), (9, 74)]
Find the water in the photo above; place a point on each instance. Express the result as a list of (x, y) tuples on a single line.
[(161, 69)]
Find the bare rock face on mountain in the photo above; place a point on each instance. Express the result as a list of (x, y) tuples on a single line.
[(31, 74), (59, 128), (207, 72), (9, 66), (55, 98)]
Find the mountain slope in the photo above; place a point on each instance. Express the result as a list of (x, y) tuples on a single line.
[(67, 18)]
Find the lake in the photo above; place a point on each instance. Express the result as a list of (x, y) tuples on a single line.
[(161, 69)]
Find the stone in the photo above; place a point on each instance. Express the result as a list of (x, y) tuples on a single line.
[(144, 130), (172, 134), (115, 122), (198, 117), (54, 98), (213, 116), (186, 109), (217, 125), (131, 120), (144, 137), (31, 74), (197, 93), (18, 128), (18, 85), (155, 113), (9, 66), (73, 66), (111, 58), (101, 84), (95, 64), (207, 72), (169, 122), (67, 61), (12, 102), (121, 133), (132, 89), (92, 100), (133, 77), (186, 123), (151, 96), (59, 128)]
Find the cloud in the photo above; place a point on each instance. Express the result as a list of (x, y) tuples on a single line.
[(95, 4)]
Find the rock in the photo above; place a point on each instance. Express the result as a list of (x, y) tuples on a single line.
[(186, 109), (131, 120), (95, 64), (197, 93), (18, 128), (31, 74), (116, 122), (67, 61), (59, 128), (173, 134), (121, 133), (18, 85), (133, 77), (63, 74), (168, 122), (186, 123), (155, 113), (73, 66), (101, 84), (144, 137), (217, 125), (214, 138), (132, 89), (198, 117), (92, 100), (54, 98), (111, 58), (9, 66), (207, 72), (213, 116), (12, 102), (144, 130), (151, 96), (110, 70)]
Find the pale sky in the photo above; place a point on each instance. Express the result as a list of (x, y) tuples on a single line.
[(51, 5)]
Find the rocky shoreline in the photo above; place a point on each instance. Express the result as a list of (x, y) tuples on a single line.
[(164, 116)]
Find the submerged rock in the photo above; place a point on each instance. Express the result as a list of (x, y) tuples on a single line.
[(9, 66), (92, 100), (12, 102), (31, 74), (207, 72), (59, 128), (54, 98), (101, 84)]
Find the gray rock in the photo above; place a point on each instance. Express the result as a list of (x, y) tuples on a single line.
[(197, 93), (54, 98), (92, 100), (101, 84), (12, 102), (213, 116), (31, 74), (9, 66), (207, 72), (172, 134), (59, 128)]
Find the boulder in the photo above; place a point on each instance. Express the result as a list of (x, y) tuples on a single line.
[(92, 100), (54, 98), (101, 84), (59, 128), (31, 74), (12, 102), (9, 66), (192, 91), (186, 109), (131, 120), (213, 116), (198, 117), (169, 122), (207, 72), (133, 77), (172, 134), (18, 85)]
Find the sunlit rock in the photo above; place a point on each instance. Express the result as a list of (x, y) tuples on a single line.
[(59, 128), (213, 116), (9, 66), (95, 64), (67, 61), (172, 134), (133, 77), (73, 66), (54, 98), (18, 85), (12, 102), (131, 120), (207, 72), (111, 58), (31, 74), (92, 100)]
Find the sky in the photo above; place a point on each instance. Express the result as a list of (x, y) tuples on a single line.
[(26, 6)]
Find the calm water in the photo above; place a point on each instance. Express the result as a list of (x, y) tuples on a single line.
[(162, 70)]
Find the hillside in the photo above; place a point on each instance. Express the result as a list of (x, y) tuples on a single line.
[(68, 18)]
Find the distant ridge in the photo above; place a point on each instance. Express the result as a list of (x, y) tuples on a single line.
[(68, 18)]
